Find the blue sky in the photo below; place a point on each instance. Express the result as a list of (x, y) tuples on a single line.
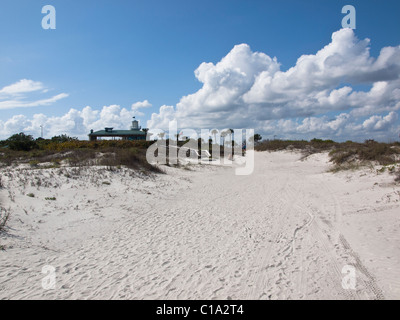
[(106, 53)]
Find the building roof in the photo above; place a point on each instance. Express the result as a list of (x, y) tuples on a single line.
[(118, 133)]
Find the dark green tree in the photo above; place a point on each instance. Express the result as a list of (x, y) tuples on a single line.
[(257, 138), (21, 142)]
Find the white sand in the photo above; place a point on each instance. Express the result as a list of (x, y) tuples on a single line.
[(284, 232)]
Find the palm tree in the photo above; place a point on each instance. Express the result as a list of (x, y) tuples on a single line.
[(161, 135), (231, 136), (223, 135), (214, 132), (257, 138)]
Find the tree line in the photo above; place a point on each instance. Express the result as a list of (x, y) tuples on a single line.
[(24, 142)]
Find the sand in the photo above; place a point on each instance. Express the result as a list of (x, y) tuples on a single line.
[(287, 231)]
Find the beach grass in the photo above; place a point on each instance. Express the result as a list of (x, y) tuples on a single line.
[(347, 155), (113, 154)]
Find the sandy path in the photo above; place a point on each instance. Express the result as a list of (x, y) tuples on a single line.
[(283, 232)]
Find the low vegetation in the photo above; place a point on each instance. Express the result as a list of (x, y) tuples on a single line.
[(315, 145), (63, 151), (345, 155), (51, 153), (113, 154), (370, 150)]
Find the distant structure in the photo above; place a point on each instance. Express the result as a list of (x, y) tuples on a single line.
[(135, 133)]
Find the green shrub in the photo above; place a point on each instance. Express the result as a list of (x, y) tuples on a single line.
[(315, 144), (368, 151), (21, 142), (131, 158), (103, 144), (111, 153)]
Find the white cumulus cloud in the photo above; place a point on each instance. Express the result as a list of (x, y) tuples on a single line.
[(339, 92), (249, 89), (140, 105)]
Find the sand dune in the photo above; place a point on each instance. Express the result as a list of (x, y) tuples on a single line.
[(284, 232)]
